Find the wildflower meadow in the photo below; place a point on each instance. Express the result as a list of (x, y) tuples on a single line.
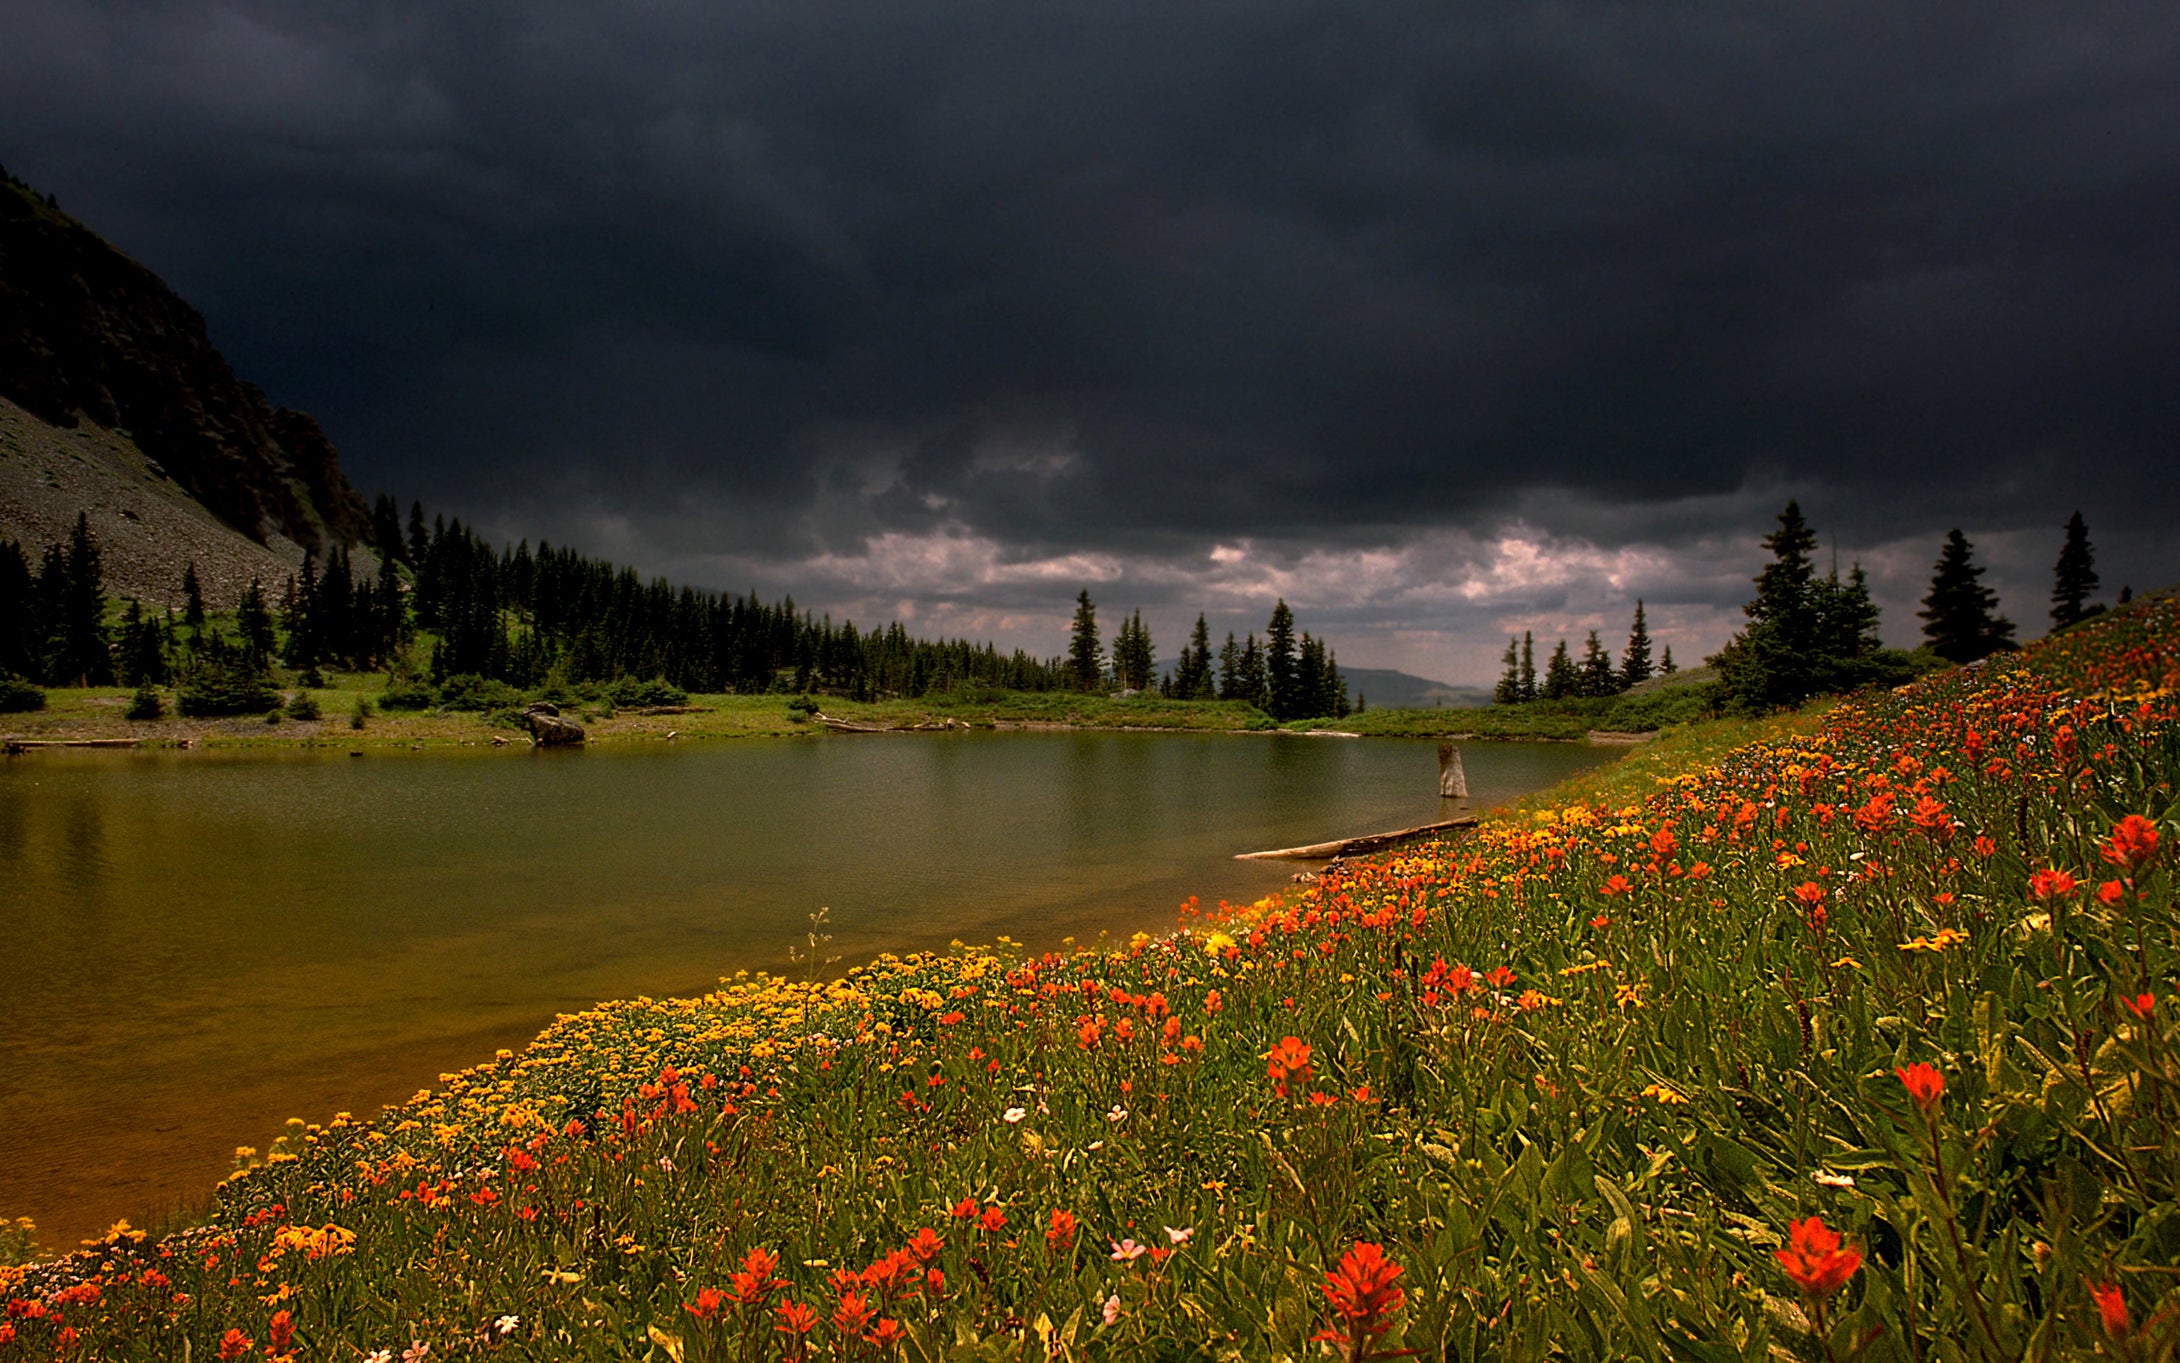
[(1855, 1040)]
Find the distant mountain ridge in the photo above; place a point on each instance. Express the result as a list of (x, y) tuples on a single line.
[(89, 335), (1383, 688)]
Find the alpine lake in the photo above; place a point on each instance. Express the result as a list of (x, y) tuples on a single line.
[(195, 946)]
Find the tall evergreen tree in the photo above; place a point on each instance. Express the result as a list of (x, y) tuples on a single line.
[(1192, 675), (419, 538), (80, 654), (1528, 666), (1085, 653), (1508, 691), (1635, 666), (1312, 695), (1251, 682), (143, 648), (1959, 615), (1133, 654), (192, 596), (1230, 669), (1280, 670), (2074, 578), (21, 635), (1774, 660), (1561, 678), (255, 623), (1598, 679), (1668, 667)]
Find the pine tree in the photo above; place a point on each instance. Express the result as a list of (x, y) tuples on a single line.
[(1133, 656), (1561, 679), (143, 648), (1668, 667), (192, 597), (1230, 669), (20, 633), (2074, 578), (1251, 683), (1312, 695), (1280, 671), (1635, 663), (1958, 615), (419, 538), (1192, 675), (1774, 660), (1508, 691), (1597, 679), (1085, 654), (256, 625), (1528, 666), (81, 654)]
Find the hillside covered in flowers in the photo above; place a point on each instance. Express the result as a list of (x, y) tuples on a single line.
[(1857, 1040)]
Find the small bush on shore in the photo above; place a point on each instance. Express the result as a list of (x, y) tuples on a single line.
[(304, 706), (407, 693), (146, 704), (467, 691), (20, 697)]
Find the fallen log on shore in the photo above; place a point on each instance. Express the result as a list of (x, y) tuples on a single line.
[(854, 726), (1342, 847), (22, 745)]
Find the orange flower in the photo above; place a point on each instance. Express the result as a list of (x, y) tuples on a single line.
[(993, 1221), (853, 1313), (1500, 976), (926, 1245), (2141, 1005), (2111, 1309), (1809, 893), (1924, 1084), (1615, 886), (1364, 1293), (795, 1318), (1060, 1231), (2050, 884), (2133, 844), (965, 1208), (281, 1332), (1814, 1260), (233, 1345)]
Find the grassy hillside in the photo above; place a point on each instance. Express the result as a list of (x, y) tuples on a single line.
[(1838, 1035)]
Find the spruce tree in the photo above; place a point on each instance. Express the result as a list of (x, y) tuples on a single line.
[(1230, 669), (81, 654), (1280, 671), (256, 625), (1958, 615), (1561, 678), (1635, 663), (1312, 695), (20, 634), (1528, 666), (1251, 683), (1668, 667), (1774, 660), (419, 537), (1192, 678), (1085, 654), (1133, 656), (2074, 578), (1508, 691), (1598, 678), (192, 597)]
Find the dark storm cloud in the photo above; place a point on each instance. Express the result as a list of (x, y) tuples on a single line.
[(766, 290)]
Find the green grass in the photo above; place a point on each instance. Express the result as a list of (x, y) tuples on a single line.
[(1580, 1076)]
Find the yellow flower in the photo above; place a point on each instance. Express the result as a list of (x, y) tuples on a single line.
[(1669, 1097)]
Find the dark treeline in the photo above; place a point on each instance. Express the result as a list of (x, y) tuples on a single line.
[(1594, 677), (1287, 676)]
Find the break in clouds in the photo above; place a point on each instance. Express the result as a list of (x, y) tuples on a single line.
[(1439, 321)]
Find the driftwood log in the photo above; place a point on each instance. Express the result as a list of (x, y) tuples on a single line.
[(1452, 779), (1342, 847)]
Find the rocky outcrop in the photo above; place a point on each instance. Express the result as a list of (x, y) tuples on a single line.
[(548, 729), (89, 335)]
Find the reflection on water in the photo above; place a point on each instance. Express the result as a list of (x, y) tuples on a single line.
[(197, 946)]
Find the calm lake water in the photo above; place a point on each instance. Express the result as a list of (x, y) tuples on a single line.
[(196, 946)]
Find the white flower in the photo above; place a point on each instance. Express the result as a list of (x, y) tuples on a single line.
[(666, 1165), (1016, 1114), (1128, 1251), (1180, 1237), (416, 1353), (1830, 1180), (1118, 1114), (506, 1324), (379, 1356), (1112, 1308)]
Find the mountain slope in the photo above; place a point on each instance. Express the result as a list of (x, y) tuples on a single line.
[(87, 335), (1387, 689)]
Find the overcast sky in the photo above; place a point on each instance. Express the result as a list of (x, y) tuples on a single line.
[(1441, 320)]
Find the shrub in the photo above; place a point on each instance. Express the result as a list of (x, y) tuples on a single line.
[(631, 692), (407, 693), (304, 706), (467, 691), (145, 704), (361, 715), (216, 685), (18, 696), (801, 707)]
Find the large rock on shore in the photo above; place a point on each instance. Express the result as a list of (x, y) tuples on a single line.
[(549, 729)]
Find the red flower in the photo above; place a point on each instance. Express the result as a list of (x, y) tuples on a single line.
[(280, 1333), (2133, 844), (965, 1209), (993, 1221), (2111, 892), (2111, 1309), (709, 1301), (853, 1314), (1364, 1293), (1500, 976), (1924, 1084), (1060, 1232), (926, 1245), (233, 1345), (1814, 1260), (795, 1318), (1809, 893), (2048, 885), (1617, 885), (2141, 1005), (1933, 818)]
